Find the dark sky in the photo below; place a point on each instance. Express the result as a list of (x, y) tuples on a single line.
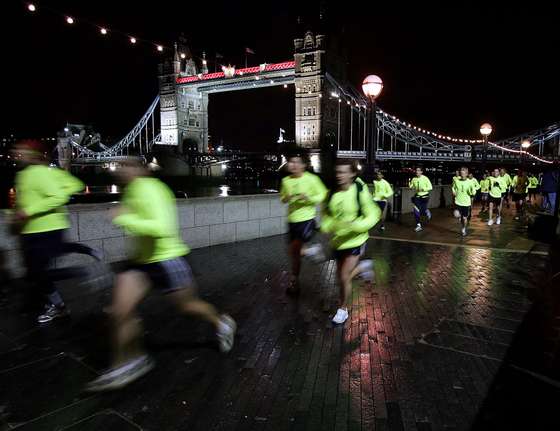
[(445, 68)]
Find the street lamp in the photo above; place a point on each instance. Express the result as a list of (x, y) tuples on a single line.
[(485, 131), (525, 145), (372, 86)]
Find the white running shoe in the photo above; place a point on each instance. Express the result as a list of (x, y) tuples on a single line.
[(456, 213), (121, 376), (226, 333), (464, 231), (341, 316), (429, 214), (490, 222), (315, 253), (498, 220), (418, 228), (364, 265)]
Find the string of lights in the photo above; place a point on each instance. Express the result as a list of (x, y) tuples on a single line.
[(510, 150)]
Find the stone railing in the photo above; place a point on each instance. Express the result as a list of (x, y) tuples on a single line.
[(203, 222)]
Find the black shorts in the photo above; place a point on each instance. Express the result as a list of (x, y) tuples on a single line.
[(495, 201), (484, 196), (382, 204), (302, 231), (354, 251), (463, 210), (167, 275), (519, 196)]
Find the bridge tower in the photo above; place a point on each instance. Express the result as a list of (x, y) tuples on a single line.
[(316, 111), (184, 111)]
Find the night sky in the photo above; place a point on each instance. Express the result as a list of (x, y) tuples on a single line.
[(445, 68)]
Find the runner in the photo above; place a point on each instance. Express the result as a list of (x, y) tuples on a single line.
[(348, 215), (520, 186), (149, 215), (422, 187), (302, 191), (533, 185), (42, 220), (476, 186), (382, 191), (484, 189), (463, 191), (457, 177), (495, 197), (506, 179)]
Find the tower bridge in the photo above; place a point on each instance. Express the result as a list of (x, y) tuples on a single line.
[(330, 115)]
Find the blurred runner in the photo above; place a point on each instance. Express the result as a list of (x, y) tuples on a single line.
[(422, 187), (495, 197), (149, 215), (506, 181), (520, 186), (382, 191), (302, 191), (484, 189), (348, 216), (463, 191)]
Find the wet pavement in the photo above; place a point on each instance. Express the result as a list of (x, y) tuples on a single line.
[(454, 334)]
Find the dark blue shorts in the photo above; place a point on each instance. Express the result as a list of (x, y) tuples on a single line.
[(302, 231), (354, 251), (465, 211), (382, 204), (495, 201), (167, 275)]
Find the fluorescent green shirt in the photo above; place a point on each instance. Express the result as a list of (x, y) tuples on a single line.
[(341, 217), (485, 185), (150, 217), (496, 187), (455, 178), (421, 185), (382, 190), (300, 210), (507, 180), (42, 192), (520, 184), (463, 190), (533, 182), (476, 184)]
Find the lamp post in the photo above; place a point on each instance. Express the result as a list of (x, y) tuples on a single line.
[(372, 86), (525, 145), (485, 131)]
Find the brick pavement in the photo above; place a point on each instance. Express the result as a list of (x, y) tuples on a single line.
[(429, 346)]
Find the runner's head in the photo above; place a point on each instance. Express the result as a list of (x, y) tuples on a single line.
[(464, 172), (297, 164), (419, 171), (379, 175), (496, 173), (130, 169), (485, 175), (29, 152), (502, 171), (346, 171)]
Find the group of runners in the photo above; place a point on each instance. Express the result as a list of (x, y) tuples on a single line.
[(345, 213)]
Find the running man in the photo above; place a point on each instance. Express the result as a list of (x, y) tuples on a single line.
[(506, 179), (302, 191), (348, 215), (495, 197), (484, 189), (476, 186), (520, 185), (422, 187), (533, 185), (463, 191), (42, 220), (382, 191), (149, 215)]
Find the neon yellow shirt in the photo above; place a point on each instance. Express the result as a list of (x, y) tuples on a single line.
[(463, 190), (533, 182), (476, 184), (341, 218), (496, 187), (485, 185), (520, 184), (42, 192), (506, 178), (150, 217), (421, 185), (382, 190), (312, 187)]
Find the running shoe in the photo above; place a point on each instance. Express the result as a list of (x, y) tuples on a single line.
[(429, 214), (341, 316), (116, 378), (52, 312), (382, 228), (456, 213), (418, 228), (315, 253), (490, 222), (226, 333), (498, 220), (464, 231)]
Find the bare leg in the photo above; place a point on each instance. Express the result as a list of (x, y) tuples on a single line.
[(345, 268), (130, 288), (295, 254), (490, 210), (189, 303)]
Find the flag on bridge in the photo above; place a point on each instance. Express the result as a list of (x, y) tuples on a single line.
[(249, 51)]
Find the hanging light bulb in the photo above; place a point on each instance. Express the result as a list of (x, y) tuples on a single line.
[(103, 31), (69, 20), (160, 48), (132, 40), (31, 7), (183, 56)]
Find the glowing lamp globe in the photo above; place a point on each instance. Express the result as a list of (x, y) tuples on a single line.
[(372, 86), (485, 129), (525, 144)]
